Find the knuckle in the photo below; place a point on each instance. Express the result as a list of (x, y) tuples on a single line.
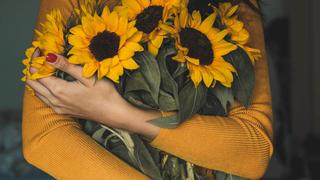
[(63, 64)]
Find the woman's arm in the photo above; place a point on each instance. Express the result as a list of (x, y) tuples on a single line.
[(56, 144), (239, 144)]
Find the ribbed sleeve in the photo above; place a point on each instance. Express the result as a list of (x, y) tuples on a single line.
[(239, 144), (57, 145)]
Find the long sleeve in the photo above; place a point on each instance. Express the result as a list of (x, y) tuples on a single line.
[(239, 144), (56, 144)]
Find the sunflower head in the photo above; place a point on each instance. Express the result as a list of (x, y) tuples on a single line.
[(49, 40), (148, 15), (230, 19), (202, 46), (236, 28), (105, 44)]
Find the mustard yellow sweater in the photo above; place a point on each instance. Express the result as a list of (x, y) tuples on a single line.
[(239, 144)]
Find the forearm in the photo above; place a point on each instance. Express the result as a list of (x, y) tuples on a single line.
[(129, 117), (58, 146), (237, 144)]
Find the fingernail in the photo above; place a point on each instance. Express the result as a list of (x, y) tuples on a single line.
[(51, 58)]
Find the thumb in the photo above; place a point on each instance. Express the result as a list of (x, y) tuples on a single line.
[(61, 63)]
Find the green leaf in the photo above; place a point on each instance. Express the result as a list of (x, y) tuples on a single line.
[(181, 69), (244, 79), (172, 169), (167, 102), (144, 82), (224, 176), (169, 122), (224, 95), (136, 99), (191, 99), (146, 162), (98, 135), (213, 106), (168, 84)]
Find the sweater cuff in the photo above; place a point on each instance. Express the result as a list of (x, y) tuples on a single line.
[(163, 131)]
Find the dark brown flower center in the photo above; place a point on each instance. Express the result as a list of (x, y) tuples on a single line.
[(104, 45), (198, 44), (149, 19)]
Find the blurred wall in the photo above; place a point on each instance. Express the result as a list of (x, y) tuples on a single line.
[(17, 20)]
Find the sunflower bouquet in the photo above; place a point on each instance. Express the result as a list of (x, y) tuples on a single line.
[(162, 55)]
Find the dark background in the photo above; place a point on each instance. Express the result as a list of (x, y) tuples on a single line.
[(292, 30)]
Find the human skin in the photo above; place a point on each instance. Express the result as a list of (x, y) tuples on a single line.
[(100, 101)]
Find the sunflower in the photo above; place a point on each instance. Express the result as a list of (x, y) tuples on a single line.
[(237, 30), (202, 46), (49, 40), (148, 15), (26, 62), (105, 44)]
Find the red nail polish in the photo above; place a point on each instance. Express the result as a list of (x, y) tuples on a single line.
[(51, 58)]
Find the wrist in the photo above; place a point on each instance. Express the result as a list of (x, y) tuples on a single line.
[(140, 125), (126, 116)]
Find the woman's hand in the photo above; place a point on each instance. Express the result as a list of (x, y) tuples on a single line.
[(88, 98)]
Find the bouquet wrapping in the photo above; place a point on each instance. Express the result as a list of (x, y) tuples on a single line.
[(165, 55)]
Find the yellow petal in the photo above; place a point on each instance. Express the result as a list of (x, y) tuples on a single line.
[(123, 40), (195, 19), (168, 28), (105, 13), (220, 35), (98, 24), (89, 69), (242, 37), (87, 26), (193, 60), (124, 11), (130, 64), (115, 61), (207, 24), (112, 22), (221, 51), (131, 32), (157, 41), (104, 67), (144, 3), (134, 46), (79, 59), (157, 2), (133, 5), (125, 53), (196, 77), (78, 30), (78, 41), (232, 10), (136, 37), (183, 17), (123, 25), (177, 26), (38, 60), (115, 73), (152, 49), (180, 57), (207, 77)]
